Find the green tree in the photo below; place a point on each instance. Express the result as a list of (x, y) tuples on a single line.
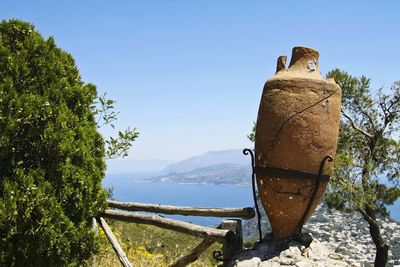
[(51, 153), (252, 135), (367, 166)]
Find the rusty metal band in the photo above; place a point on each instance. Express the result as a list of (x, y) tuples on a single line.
[(328, 158), (288, 173), (248, 151)]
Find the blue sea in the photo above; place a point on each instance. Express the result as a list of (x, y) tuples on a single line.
[(130, 187)]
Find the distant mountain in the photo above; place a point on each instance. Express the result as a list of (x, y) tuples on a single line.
[(221, 174), (119, 166), (212, 158)]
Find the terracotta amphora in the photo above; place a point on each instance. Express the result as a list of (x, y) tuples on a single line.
[(297, 128)]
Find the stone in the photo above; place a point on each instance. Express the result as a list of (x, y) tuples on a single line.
[(335, 256), (328, 226), (269, 264), (303, 264), (265, 255), (249, 263)]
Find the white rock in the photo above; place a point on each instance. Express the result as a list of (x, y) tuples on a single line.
[(335, 256), (249, 263), (269, 264), (303, 263)]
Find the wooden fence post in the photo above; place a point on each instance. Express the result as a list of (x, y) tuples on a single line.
[(96, 232), (231, 247), (114, 242)]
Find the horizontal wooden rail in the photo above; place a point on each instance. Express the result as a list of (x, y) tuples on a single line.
[(114, 242), (218, 235), (244, 213)]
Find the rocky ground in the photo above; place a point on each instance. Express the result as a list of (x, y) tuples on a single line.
[(271, 254), (343, 237)]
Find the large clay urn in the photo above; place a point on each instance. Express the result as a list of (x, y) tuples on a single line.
[(297, 128)]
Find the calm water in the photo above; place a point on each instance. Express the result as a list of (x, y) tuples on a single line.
[(129, 188)]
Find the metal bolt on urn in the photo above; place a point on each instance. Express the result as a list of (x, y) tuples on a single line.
[(295, 142)]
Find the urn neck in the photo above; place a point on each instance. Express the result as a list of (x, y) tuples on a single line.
[(304, 59)]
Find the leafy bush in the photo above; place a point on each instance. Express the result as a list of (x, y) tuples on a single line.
[(51, 154)]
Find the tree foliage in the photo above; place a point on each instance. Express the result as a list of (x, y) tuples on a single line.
[(252, 135), (367, 165), (106, 115), (51, 153)]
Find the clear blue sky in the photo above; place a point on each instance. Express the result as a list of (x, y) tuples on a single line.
[(189, 74)]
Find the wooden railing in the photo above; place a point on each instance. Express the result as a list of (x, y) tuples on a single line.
[(228, 233)]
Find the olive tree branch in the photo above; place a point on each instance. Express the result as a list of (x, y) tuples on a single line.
[(355, 127), (390, 107), (105, 113), (120, 146), (365, 114), (368, 218)]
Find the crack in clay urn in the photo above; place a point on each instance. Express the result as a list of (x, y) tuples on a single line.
[(297, 127)]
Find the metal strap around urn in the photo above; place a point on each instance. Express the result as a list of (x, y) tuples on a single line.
[(289, 174)]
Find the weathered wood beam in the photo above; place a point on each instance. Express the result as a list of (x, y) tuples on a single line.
[(244, 213), (194, 254), (114, 242), (218, 235), (229, 249), (95, 229)]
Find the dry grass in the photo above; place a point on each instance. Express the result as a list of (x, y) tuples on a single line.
[(150, 246)]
